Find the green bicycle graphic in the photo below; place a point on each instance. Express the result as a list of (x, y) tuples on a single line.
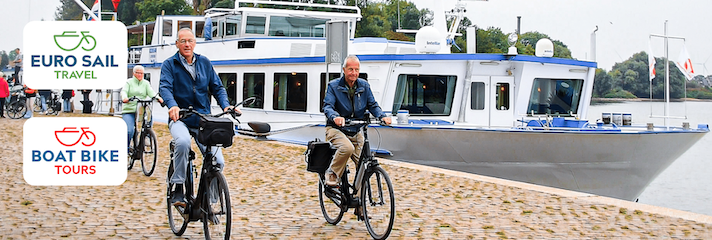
[(67, 39)]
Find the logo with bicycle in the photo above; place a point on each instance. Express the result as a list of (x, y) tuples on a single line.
[(67, 39), (69, 133)]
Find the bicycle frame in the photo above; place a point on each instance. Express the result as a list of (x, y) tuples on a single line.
[(366, 162), (194, 208), (145, 106)]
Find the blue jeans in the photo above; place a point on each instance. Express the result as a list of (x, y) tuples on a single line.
[(43, 100), (182, 135), (67, 105), (130, 119)]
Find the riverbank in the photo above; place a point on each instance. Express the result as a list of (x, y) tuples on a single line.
[(275, 197)]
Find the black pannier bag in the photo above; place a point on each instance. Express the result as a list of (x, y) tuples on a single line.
[(215, 131), (318, 156)]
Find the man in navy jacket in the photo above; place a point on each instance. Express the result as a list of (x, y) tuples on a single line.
[(187, 79), (347, 97)]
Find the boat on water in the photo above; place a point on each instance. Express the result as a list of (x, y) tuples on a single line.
[(510, 116)]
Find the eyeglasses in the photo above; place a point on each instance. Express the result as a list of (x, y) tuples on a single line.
[(183, 41)]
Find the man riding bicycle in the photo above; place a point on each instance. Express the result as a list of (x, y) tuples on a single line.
[(188, 79), (134, 87), (347, 97)]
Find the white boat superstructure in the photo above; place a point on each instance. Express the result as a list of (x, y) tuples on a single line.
[(517, 117)]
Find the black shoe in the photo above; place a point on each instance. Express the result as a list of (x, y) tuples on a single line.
[(177, 197)]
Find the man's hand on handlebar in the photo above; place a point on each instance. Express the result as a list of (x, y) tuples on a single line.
[(339, 121), (174, 113), (386, 120)]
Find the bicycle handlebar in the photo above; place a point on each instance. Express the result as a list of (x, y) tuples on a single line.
[(138, 100), (355, 122)]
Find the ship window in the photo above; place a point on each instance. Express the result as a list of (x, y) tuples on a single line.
[(185, 24), (425, 94), (477, 100), (199, 26), (502, 96), (232, 25), (147, 77), (218, 26), (322, 90), (555, 96), (167, 28), (253, 86), (229, 80), (290, 92), (255, 25), (296, 26)]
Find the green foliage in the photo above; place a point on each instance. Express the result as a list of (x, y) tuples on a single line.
[(632, 75), (380, 19), (4, 60), (619, 93), (699, 93), (527, 45), (602, 83), (391, 35), (149, 9), (69, 10)]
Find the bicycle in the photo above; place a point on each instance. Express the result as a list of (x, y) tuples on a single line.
[(211, 204), (143, 145), (371, 189), (17, 105)]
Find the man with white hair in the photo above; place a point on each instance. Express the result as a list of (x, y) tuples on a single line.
[(135, 86)]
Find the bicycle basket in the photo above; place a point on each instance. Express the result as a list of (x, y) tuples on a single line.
[(216, 131), (318, 156)]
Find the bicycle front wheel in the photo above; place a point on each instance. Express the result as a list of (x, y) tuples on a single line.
[(331, 201), (217, 213), (16, 109), (176, 219), (150, 152), (378, 203)]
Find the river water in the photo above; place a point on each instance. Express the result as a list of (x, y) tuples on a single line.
[(686, 184)]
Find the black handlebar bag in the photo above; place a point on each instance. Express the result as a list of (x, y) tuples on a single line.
[(318, 156), (216, 131)]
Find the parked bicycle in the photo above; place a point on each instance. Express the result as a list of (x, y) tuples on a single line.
[(211, 204), (371, 190), (17, 105), (143, 145)]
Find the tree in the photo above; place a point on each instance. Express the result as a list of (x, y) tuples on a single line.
[(149, 9), (4, 60), (527, 45), (602, 83), (69, 10)]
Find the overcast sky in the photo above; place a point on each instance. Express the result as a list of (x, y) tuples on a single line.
[(624, 26)]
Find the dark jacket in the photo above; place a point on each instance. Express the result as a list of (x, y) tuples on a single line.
[(67, 93), (178, 88), (338, 104)]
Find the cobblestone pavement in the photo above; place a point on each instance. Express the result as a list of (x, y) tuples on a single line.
[(274, 197)]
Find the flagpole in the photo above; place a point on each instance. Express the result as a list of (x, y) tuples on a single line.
[(667, 72), (667, 77)]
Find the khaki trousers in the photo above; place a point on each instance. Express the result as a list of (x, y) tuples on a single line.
[(345, 147)]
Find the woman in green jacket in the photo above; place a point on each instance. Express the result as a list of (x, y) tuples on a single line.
[(139, 88)]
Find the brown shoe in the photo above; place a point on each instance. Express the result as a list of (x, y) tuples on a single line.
[(331, 179)]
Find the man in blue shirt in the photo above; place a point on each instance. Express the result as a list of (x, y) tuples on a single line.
[(187, 79), (347, 97)]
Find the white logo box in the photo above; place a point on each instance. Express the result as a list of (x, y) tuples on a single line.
[(88, 151), (97, 56)]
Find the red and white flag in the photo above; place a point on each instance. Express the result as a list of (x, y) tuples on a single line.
[(651, 63), (95, 9), (685, 64)]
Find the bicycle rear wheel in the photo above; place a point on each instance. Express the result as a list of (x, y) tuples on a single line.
[(331, 201), (16, 109), (217, 215), (176, 219), (149, 148), (378, 203)]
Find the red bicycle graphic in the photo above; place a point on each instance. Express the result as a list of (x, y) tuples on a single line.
[(69, 131)]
